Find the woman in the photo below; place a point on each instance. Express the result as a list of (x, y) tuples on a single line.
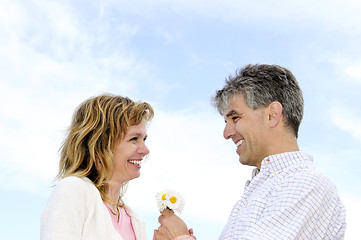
[(103, 150)]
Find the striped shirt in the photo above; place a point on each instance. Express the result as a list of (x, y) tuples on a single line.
[(288, 198)]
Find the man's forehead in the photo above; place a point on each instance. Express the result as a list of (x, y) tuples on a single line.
[(232, 103)]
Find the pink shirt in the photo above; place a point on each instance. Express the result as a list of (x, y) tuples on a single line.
[(124, 226)]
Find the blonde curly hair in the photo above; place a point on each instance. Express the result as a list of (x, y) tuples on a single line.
[(96, 125)]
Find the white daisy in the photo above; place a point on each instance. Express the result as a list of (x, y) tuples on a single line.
[(170, 199)]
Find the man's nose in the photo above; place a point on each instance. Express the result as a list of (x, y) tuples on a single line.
[(229, 131)]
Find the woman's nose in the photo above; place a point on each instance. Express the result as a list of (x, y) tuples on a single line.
[(143, 149)]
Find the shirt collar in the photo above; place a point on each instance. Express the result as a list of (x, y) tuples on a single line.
[(255, 172), (279, 162)]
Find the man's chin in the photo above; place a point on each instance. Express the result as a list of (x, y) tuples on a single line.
[(242, 161), (245, 161)]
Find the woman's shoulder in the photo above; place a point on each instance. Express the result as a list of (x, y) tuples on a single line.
[(75, 185), (73, 181), (72, 201)]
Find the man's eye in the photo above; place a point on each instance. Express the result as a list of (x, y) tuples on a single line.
[(235, 118)]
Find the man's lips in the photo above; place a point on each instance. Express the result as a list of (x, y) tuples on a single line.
[(239, 142)]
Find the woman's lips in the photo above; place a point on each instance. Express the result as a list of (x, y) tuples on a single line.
[(136, 161)]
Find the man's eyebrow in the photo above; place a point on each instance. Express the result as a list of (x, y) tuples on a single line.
[(232, 113)]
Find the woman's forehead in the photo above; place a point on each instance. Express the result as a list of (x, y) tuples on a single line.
[(137, 129)]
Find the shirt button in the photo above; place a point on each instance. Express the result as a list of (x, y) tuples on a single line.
[(273, 173)]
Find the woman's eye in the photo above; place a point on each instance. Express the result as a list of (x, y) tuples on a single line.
[(134, 139)]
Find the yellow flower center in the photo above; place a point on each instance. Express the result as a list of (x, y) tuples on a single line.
[(173, 199), (163, 197)]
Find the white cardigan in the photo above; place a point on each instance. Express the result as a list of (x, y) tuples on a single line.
[(76, 211)]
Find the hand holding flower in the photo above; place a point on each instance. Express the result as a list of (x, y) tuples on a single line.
[(171, 226)]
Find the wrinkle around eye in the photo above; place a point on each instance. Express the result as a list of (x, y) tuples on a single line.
[(235, 118), (134, 139)]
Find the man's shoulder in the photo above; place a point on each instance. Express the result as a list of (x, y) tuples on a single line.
[(306, 178)]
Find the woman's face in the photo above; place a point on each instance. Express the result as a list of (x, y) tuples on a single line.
[(129, 153)]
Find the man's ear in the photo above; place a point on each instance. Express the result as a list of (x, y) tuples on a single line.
[(274, 114)]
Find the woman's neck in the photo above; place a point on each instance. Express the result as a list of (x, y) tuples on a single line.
[(113, 190)]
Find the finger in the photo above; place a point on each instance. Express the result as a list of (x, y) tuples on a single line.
[(162, 234), (166, 212), (155, 232), (160, 219)]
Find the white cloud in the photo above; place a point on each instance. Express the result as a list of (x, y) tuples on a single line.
[(354, 71), (43, 80), (347, 120), (353, 212), (328, 14), (167, 37), (188, 150), (347, 64)]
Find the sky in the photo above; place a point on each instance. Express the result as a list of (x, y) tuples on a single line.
[(174, 55)]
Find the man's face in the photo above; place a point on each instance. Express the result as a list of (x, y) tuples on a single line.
[(248, 130)]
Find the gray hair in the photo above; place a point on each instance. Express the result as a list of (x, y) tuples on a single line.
[(262, 84)]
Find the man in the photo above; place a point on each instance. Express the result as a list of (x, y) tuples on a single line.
[(287, 197)]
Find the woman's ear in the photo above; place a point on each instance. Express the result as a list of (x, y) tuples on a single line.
[(274, 114), (98, 165)]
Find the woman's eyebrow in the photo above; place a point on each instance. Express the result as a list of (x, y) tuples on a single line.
[(134, 134)]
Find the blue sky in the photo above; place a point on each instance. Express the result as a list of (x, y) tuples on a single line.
[(174, 55)]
